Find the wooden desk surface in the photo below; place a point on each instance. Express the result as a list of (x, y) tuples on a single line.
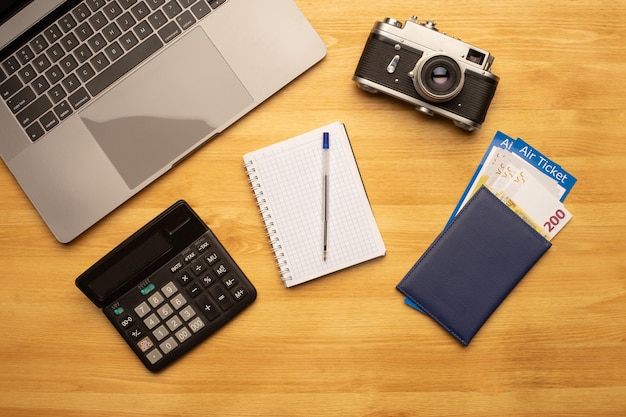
[(346, 345)]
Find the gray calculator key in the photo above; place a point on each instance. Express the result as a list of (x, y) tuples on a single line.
[(196, 325), (142, 309), (174, 323), (160, 333), (187, 313), (178, 301), (183, 334), (169, 289), (169, 345), (165, 311), (151, 321), (156, 299), (154, 356)]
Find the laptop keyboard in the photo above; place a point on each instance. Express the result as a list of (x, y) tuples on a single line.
[(85, 51)]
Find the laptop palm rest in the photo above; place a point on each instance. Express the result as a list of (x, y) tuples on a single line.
[(166, 108)]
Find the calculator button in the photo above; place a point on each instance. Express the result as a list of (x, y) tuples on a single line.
[(151, 321), (176, 266), (136, 334), (212, 258), (169, 345), (222, 298), (169, 289), (198, 268), (230, 282), (194, 289), (189, 255), (145, 344), (207, 280), (239, 293), (127, 321), (196, 325), (142, 309), (148, 289), (206, 305), (154, 356), (118, 311), (221, 270), (174, 323), (183, 334), (156, 299), (165, 311), (202, 245), (187, 313), (160, 333), (178, 301), (184, 278)]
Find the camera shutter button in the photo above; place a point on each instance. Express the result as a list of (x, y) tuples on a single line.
[(393, 22)]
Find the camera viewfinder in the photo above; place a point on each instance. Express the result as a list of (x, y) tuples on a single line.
[(475, 57)]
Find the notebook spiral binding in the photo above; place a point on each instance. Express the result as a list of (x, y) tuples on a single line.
[(272, 233)]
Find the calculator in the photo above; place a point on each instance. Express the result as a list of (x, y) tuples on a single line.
[(168, 287)]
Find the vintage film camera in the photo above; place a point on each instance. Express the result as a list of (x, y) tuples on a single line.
[(431, 70)]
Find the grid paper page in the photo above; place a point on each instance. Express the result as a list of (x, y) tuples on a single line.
[(291, 180)]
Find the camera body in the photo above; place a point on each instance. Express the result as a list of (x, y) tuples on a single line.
[(431, 70)]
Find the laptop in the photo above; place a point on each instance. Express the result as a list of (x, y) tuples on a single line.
[(101, 97)]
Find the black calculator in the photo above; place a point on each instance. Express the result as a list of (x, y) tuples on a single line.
[(168, 287)]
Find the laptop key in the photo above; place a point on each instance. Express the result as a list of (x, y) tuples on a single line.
[(79, 98), (186, 20), (172, 9), (70, 83), (39, 44), (21, 99), (53, 33), (27, 73), (98, 21), (216, 3), (49, 120), (34, 111), (126, 63), (169, 32), (112, 10), (25, 54), (63, 110), (157, 19), (10, 87), (99, 62), (155, 4), (67, 23), (40, 85), (35, 131), (81, 12), (54, 74), (57, 93), (142, 30), (200, 9), (11, 65), (140, 11), (127, 3)]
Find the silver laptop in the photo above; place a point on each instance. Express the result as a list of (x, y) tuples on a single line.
[(101, 97)]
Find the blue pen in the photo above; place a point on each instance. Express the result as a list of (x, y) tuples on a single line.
[(325, 166)]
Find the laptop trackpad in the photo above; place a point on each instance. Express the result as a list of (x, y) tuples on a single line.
[(166, 107)]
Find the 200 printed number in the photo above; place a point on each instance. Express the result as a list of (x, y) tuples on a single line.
[(554, 220)]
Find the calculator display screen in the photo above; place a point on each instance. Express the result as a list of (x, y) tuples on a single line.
[(127, 266)]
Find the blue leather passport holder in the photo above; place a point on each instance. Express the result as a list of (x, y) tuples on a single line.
[(473, 265)]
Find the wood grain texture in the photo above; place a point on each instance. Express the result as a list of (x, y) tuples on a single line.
[(346, 345)]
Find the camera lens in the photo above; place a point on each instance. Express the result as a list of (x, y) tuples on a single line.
[(438, 78)]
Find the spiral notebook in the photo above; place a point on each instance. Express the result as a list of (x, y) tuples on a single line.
[(287, 180)]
